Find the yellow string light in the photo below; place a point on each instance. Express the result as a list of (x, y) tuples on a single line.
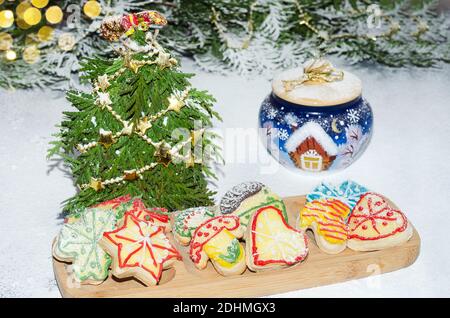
[(92, 9), (39, 3), (31, 54), (22, 24), (54, 15), (32, 16), (10, 55), (45, 33), (21, 8), (6, 41), (66, 42), (6, 18)]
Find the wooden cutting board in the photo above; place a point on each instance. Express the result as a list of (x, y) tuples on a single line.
[(184, 280)]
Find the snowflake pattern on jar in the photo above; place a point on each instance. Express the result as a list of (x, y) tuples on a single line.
[(316, 139)]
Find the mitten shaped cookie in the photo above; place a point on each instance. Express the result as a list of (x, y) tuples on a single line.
[(327, 218)]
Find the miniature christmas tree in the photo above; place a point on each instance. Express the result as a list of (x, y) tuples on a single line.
[(139, 130)]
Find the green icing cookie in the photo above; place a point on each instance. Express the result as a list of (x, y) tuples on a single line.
[(245, 216), (78, 243), (233, 252), (246, 198), (188, 220)]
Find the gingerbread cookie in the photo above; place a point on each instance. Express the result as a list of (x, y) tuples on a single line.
[(246, 198), (375, 225), (78, 243), (139, 249), (327, 218), (272, 243), (186, 222), (217, 240)]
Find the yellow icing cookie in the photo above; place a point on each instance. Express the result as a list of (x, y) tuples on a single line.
[(272, 242)]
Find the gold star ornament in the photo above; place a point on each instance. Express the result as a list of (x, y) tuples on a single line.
[(106, 138), (143, 125), (96, 184), (103, 82), (131, 64), (130, 175), (162, 154), (175, 104)]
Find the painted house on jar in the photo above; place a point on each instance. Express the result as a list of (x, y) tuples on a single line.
[(311, 148)]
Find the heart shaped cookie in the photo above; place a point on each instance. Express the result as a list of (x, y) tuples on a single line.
[(375, 225), (272, 242)]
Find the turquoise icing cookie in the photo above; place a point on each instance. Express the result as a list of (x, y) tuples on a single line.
[(348, 192)]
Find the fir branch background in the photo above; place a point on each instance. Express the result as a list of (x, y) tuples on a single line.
[(255, 36)]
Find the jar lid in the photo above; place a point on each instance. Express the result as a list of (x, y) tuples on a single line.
[(317, 84)]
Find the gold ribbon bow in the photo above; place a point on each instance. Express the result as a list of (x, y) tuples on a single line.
[(315, 71)]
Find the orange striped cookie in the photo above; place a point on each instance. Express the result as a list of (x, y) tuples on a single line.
[(327, 218)]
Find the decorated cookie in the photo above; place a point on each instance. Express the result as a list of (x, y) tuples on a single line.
[(271, 242), (140, 250), (186, 222), (217, 240), (327, 218), (114, 204), (118, 205), (348, 192), (375, 225), (246, 198), (78, 243), (156, 216)]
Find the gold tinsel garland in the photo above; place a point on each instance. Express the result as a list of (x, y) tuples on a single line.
[(164, 152)]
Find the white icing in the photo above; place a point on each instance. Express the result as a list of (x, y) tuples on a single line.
[(233, 198), (287, 243), (311, 129)]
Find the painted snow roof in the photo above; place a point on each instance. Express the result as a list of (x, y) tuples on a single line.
[(311, 129)]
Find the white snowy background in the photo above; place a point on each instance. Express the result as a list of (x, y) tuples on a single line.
[(407, 160)]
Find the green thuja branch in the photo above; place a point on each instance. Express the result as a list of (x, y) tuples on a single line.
[(128, 160)]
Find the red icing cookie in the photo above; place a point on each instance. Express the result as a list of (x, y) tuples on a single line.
[(139, 249), (207, 231), (114, 203), (272, 242), (374, 224), (152, 215)]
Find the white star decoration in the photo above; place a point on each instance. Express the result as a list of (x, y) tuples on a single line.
[(103, 82), (103, 99)]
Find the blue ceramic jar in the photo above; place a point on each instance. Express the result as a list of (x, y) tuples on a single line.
[(320, 136)]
